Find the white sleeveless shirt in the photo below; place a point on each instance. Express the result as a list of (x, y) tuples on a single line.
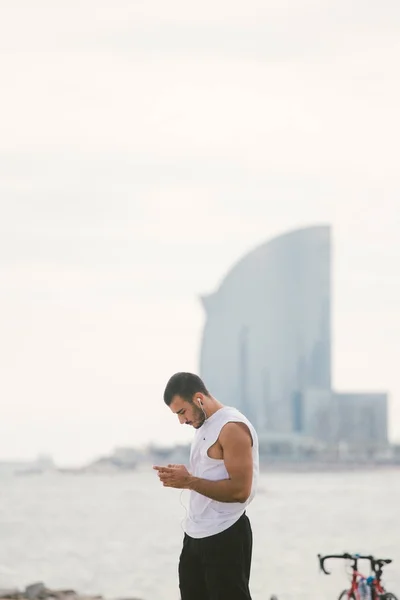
[(205, 516)]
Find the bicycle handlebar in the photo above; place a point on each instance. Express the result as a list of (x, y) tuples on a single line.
[(344, 556), (376, 563)]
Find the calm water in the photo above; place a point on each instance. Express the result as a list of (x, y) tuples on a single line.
[(121, 535)]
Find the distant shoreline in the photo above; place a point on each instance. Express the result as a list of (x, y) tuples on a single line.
[(322, 467), (266, 466)]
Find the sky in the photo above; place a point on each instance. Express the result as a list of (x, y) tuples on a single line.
[(145, 146)]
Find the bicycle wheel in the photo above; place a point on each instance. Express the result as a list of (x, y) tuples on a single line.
[(345, 596), (387, 596)]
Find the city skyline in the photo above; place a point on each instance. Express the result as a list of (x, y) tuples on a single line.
[(267, 347)]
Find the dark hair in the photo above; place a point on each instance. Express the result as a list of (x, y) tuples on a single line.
[(184, 385)]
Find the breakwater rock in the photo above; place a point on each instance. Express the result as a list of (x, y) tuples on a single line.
[(38, 591)]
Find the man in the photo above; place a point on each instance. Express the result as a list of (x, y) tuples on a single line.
[(216, 556)]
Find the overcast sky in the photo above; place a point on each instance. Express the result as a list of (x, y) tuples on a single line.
[(145, 146)]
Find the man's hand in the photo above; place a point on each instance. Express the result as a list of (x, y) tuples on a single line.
[(175, 476)]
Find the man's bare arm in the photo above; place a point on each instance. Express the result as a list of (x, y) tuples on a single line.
[(236, 443)]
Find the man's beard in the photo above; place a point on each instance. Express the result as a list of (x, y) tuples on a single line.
[(199, 417)]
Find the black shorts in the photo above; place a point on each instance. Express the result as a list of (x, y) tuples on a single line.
[(217, 567)]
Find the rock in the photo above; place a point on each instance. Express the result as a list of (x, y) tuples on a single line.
[(58, 594), (12, 593), (79, 597), (34, 591), (38, 591), (130, 598)]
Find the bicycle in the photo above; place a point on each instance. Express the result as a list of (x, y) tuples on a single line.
[(362, 587)]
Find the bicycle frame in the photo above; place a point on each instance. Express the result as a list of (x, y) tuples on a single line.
[(376, 589), (354, 587)]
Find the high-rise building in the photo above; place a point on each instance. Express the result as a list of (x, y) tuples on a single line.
[(266, 345)]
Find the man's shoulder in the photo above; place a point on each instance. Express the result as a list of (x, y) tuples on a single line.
[(234, 413), (234, 419)]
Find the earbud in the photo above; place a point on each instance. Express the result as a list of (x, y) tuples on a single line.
[(199, 402)]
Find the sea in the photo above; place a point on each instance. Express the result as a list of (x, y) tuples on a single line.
[(119, 535)]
